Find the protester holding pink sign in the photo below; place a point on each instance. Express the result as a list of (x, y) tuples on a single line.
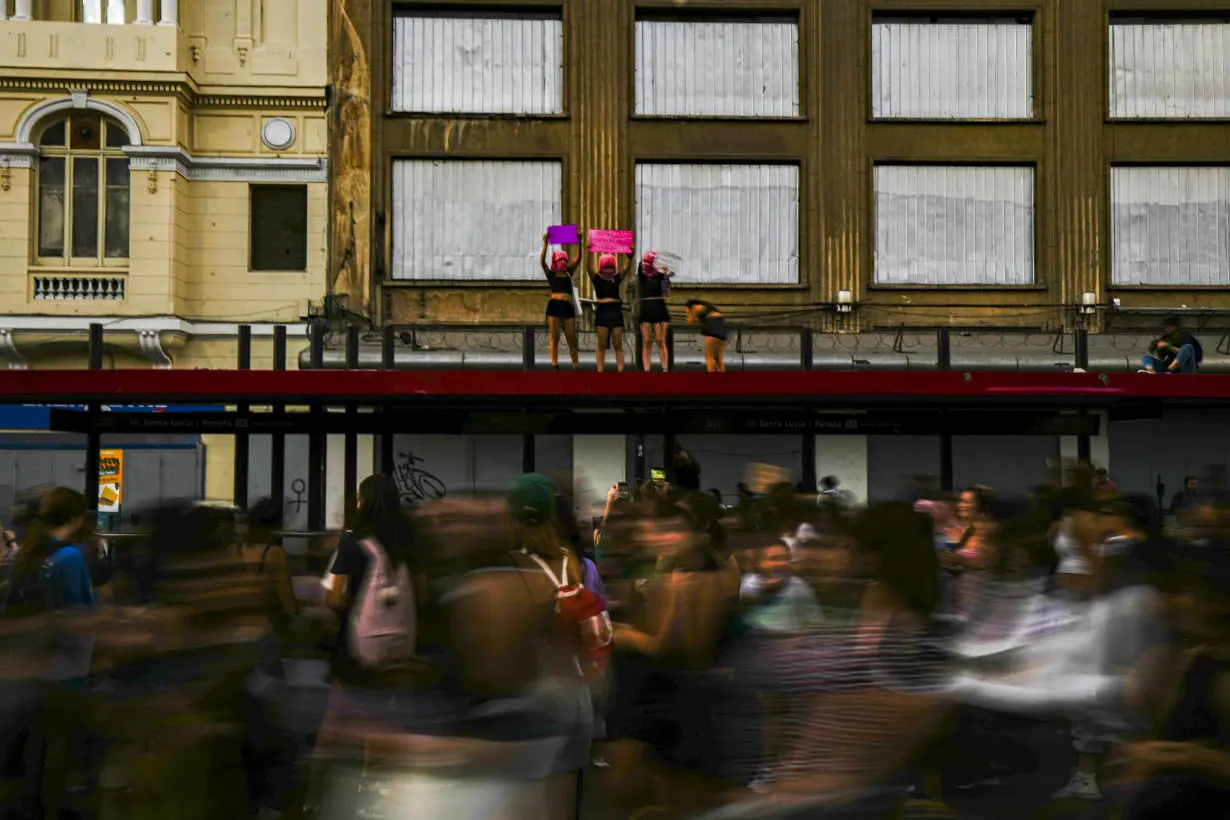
[(652, 288), (608, 281), (561, 307), (611, 241)]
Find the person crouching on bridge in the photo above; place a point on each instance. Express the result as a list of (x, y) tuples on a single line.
[(1177, 351), (608, 305), (713, 327), (561, 312), (652, 287)]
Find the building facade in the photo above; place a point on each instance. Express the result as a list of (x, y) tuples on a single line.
[(985, 163), (163, 172)]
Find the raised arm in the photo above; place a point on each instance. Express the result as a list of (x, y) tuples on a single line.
[(542, 258), (591, 264), (627, 263), (574, 261)]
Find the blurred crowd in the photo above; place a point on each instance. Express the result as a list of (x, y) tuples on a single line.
[(486, 656)]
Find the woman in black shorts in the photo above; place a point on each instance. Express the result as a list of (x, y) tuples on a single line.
[(713, 326), (608, 281), (652, 286), (561, 312)]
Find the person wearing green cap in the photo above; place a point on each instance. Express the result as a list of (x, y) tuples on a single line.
[(538, 547)]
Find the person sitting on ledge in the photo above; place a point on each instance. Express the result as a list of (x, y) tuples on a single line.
[(1177, 351)]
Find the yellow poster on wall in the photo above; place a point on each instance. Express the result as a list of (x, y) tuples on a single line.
[(110, 480)]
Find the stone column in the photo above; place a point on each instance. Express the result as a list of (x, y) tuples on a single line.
[(24, 10), (115, 13), (145, 13), (170, 13)]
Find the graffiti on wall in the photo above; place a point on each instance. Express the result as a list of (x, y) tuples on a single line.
[(415, 483)]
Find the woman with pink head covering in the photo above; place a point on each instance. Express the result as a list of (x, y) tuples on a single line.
[(652, 287), (561, 313), (608, 282)]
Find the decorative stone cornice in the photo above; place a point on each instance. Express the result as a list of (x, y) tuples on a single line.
[(185, 91), (227, 169), (248, 101)]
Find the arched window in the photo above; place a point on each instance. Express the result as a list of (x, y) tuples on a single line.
[(83, 192)]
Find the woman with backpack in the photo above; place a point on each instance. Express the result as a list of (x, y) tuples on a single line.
[(577, 652)]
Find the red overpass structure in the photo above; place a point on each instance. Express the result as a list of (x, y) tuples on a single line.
[(535, 402)]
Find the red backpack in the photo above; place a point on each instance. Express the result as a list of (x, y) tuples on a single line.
[(585, 623)]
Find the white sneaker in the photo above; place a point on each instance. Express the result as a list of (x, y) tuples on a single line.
[(1080, 787), (1147, 371)]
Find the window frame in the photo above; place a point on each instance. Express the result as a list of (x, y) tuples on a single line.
[(253, 190), (988, 11), (68, 154)]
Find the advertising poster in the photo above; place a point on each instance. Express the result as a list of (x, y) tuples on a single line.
[(110, 480)]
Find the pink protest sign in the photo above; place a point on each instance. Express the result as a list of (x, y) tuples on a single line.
[(610, 241), (563, 235)]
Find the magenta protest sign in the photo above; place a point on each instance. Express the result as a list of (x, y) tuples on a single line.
[(610, 241), (563, 235)]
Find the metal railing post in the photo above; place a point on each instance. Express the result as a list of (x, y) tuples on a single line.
[(242, 442)]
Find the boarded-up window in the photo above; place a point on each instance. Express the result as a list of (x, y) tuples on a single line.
[(1170, 226), (731, 224), (279, 227), (457, 62), (472, 221), (725, 68), (1169, 69), (952, 69), (954, 225)]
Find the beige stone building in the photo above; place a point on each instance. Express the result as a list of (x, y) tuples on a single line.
[(163, 172)]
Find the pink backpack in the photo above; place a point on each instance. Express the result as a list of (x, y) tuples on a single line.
[(383, 619)]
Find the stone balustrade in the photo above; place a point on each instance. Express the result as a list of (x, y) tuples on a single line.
[(111, 12)]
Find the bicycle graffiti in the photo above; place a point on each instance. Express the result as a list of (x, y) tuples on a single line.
[(415, 483)]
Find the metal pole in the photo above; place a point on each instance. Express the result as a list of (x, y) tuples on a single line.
[(810, 483), (668, 455), (350, 476), (807, 358), (242, 443), (527, 347), (317, 454), (529, 456), (670, 347), (944, 360), (1082, 348), (639, 464), (277, 447), (1084, 447), (388, 361), (93, 441)]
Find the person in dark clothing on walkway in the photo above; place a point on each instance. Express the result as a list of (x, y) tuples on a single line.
[(1177, 351), (1187, 496)]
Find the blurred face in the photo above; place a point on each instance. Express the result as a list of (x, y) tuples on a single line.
[(665, 538), (967, 506), (775, 561), (1192, 485)]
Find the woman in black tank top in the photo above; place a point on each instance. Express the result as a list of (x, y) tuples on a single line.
[(561, 312), (608, 282), (652, 287), (713, 326)]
